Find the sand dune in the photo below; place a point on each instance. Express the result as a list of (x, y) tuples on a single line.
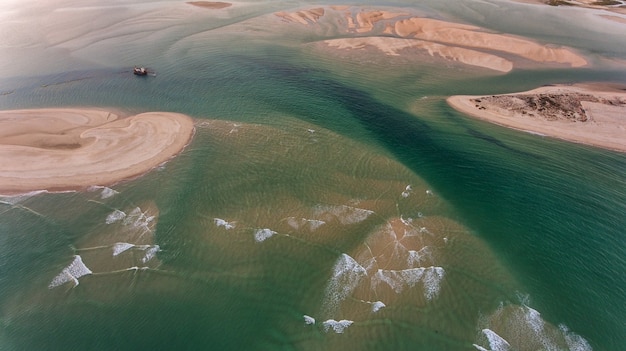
[(70, 149), (588, 114)]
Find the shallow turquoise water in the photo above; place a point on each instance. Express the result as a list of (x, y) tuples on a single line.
[(309, 160)]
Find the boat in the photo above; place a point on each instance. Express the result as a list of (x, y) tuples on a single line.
[(140, 71)]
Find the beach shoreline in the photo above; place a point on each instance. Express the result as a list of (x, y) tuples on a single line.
[(65, 149), (590, 114)]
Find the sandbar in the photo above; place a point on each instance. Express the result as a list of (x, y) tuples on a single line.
[(303, 17), (72, 149), (210, 4), (395, 47), (591, 114), (397, 33)]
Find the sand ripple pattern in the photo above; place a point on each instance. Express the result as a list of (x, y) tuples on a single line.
[(69, 149)]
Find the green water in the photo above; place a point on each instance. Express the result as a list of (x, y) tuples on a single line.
[(315, 187)]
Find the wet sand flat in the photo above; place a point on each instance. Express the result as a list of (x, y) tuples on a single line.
[(68, 149)]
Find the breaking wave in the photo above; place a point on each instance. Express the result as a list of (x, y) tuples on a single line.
[(71, 273), (304, 224), (344, 214), (398, 280), (222, 223), (261, 235), (337, 326), (118, 248), (115, 216), (347, 274)]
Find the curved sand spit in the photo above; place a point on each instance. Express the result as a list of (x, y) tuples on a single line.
[(69, 149), (588, 114)]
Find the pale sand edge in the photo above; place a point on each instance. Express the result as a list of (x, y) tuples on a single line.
[(568, 131), (99, 174)]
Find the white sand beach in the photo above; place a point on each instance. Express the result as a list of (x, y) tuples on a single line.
[(592, 114)]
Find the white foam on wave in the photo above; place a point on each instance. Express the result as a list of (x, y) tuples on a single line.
[(222, 223), (308, 320), (136, 218), (261, 235), (530, 319), (304, 223), (408, 222), (75, 270), (529, 322), (118, 248), (347, 274), (344, 214), (15, 199), (407, 191), (115, 216), (337, 326), (574, 341), (107, 193), (533, 319), (377, 306), (398, 280), (432, 281), (416, 231), (496, 342), (415, 258), (151, 252)]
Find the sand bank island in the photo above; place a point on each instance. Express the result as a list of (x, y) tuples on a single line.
[(210, 4), (70, 149), (591, 114), (397, 33)]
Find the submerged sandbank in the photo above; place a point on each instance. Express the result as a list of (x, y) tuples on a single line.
[(71, 149), (591, 114)]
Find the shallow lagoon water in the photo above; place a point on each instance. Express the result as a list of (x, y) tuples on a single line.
[(344, 192)]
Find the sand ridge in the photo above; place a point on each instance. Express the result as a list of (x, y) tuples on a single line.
[(303, 17), (391, 32), (591, 114), (71, 149), (394, 47)]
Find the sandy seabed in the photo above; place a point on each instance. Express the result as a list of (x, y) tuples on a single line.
[(591, 114), (70, 149)]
